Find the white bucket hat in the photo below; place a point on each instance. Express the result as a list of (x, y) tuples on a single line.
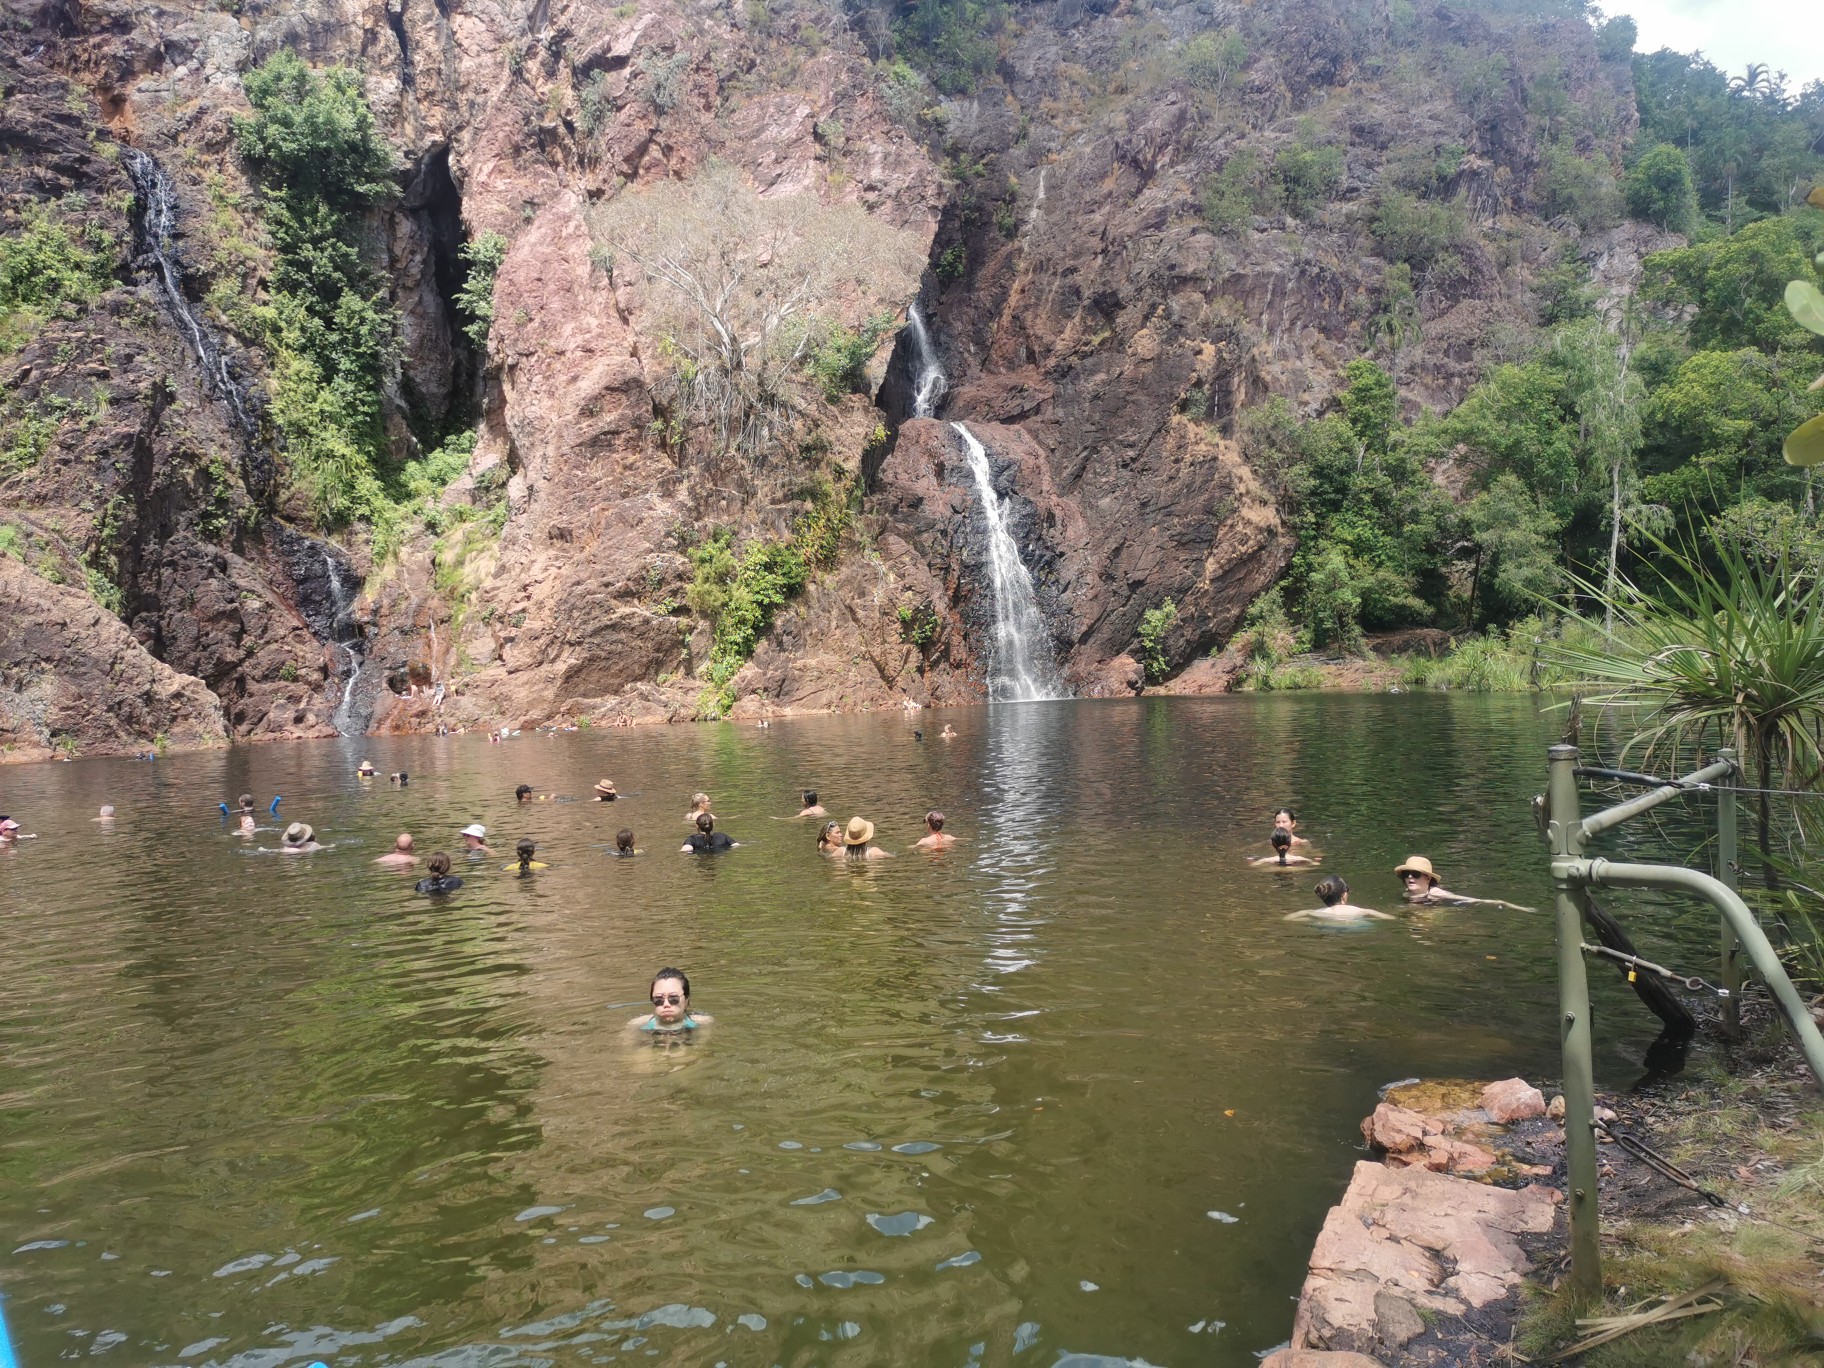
[(475, 829)]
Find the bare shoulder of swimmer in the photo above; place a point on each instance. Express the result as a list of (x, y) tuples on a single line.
[(639, 1021)]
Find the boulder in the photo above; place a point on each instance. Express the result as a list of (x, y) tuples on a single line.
[(1512, 1099)]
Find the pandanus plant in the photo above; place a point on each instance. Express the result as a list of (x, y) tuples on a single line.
[(1725, 648)]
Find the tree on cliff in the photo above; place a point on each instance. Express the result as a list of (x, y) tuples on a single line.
[(739, 287)]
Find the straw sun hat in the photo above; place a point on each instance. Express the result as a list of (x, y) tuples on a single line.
[(299, 833), (604, 786), (860, 832), (1417, 864)]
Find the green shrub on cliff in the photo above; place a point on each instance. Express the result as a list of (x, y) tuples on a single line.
[(475, 298), (1155, 623), (322, 164), (47, 267), (838, 358), (1659, 189), (952, 41)]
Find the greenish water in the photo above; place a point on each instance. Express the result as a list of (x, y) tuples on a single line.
[(977, 1107)]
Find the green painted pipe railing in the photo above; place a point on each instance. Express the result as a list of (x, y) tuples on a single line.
[(1572, 877)]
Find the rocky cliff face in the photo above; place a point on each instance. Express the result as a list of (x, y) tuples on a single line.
[(1100, 337)]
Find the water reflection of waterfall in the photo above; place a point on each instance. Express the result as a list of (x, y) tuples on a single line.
[(155, 225), (1022, 803), (1020, 664)]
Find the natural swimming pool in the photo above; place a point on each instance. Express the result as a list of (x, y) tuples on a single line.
[(1072, 1087)]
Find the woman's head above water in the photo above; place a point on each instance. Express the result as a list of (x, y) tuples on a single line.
[(1282, 843), (670, 994), (1332, 890), (1285, 819), (438, 865), (623, 840), (525, 850)]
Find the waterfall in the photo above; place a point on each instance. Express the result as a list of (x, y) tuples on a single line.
[(155, 224), (1020, 663), (347, 634), (928, 387)]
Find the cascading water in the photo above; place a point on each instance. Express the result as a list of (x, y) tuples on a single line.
[(354, 646), (155, 225), (929, 384), (1020, 664)]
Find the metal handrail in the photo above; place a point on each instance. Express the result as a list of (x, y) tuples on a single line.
[(1567, 832)]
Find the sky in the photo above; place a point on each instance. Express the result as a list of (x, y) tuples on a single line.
[(1787, 35)]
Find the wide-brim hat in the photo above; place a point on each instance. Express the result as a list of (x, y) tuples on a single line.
[(475, 829), (859, 832), (1417, 864), (8, 824), (299, 833), (604, 786)]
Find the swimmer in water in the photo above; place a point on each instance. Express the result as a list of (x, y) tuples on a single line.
[(1287, 820), (440, 880), (300, 839), (248, 820), (400, 856), (475, 840), (948, 733), (856, 841), (670, 1014), (935, 836), (523, 853), (706, 840), (604, 791), (699, 807), (1422, 887), (829, 839), (366, 769), (1282, 856), (623, 843), (399, 779), (812, 808), (1337, 908), (107, 813), (9, 832), (524, 794)]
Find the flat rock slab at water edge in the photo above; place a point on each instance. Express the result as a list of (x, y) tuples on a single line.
[(1408, 1239), (1318, 1358)]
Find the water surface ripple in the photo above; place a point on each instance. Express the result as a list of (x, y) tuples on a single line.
[(969, 1107)]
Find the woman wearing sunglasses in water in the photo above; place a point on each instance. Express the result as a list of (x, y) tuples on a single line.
[(671, 1014)]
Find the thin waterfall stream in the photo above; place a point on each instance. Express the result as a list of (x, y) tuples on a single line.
[(348, 636), (156, 221), (1021, 666)]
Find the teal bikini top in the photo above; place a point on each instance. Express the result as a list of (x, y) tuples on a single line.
[(652, 1024)]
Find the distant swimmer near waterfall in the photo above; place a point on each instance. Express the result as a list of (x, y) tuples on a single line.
[(1337, 907), (1286, 819), (1424, 888), (935, 838), (857, 841), (400, 856), (707, 840), (670, 1014), (1282, 856), (300, 839), (441, 880)]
